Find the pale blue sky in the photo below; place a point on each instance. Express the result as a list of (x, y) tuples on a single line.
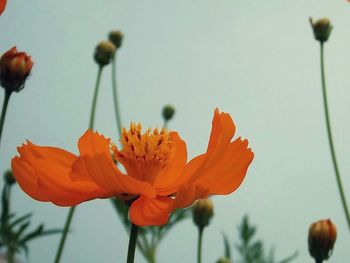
[(256, 60)]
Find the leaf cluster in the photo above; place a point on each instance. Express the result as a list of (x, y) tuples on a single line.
[(251, 250), (14, 234)]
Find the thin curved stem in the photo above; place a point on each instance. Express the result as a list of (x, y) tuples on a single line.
[(115, 94), (199, 248), (64, 234), (4, 109), (94, 100), (72, 209), (132, 243), (331, 145)]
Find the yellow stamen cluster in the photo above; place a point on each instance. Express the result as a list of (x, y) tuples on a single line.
[(144, 155)]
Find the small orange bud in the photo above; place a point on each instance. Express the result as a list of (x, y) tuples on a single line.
[(2, 6), (15, 67), (202, 212), (322, 236)]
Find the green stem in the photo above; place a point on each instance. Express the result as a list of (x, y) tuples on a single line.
[(72, 209), (132, 243), (115, 96), (94, 100), (4, 109), (64, 234), (331, 145), (10, 256), (199, 250)]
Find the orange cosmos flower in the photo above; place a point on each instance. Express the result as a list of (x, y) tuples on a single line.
[(157, 179), (2, 6)]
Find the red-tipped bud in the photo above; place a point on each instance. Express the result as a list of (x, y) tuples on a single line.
[(322, 236), (2, 6), (15, 67)]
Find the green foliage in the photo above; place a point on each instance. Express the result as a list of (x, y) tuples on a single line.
[(13, 230), (251, 250)]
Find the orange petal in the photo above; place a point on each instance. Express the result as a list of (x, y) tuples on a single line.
[(188, 194), (227, 174), (55, 183), (168, 181), (150, 211), (2, 6), (96, 164), (104, 173), (44, 173), (27, 179), (222, 132), (92, 143)]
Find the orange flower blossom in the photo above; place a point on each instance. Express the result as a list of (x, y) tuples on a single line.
[(2, 6), (157, 180)]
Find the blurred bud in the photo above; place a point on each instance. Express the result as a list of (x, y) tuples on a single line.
[(104, 52), (15, 67), (322, 29), (116, 37), (202, 212), (168, 112), (224, 260), (322, 236), (9, 178), (2, 6)]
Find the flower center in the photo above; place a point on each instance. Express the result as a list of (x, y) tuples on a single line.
[(144, 155)]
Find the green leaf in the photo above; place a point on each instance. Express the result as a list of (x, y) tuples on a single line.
[(20, 220), (227, 246)]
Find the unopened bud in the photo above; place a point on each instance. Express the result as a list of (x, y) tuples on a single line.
[(9, 178), (322, 236), (116, 37), (104, 52), (223, 260), (168, 112), (202, 212), (15, 67), (322, 29)]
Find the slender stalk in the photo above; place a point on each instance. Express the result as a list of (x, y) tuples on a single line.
[(132, 243), (94, 100), (64, 234), (199, 249), (10, 256), (72, 209), (4, 109), (115, 94), (331, 145)]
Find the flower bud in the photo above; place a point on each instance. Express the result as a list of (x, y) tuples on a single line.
[(223, 260), (104, 52), (116, 37), (322, 29), (168, 112), (322, 236), (9, 178), (202, 212), (15, 67)]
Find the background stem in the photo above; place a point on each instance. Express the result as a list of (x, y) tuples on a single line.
[(72, 209), (64, 234), (331, 145), (115, 94), (4, 109)]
